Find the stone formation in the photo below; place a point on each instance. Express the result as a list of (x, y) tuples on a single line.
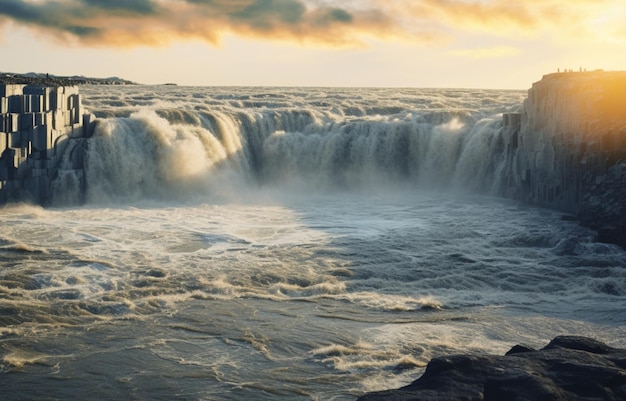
[(38, 124)]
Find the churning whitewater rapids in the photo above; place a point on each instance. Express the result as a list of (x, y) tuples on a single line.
[(287, 244)]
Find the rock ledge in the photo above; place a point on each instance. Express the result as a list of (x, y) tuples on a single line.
[(568, 369)]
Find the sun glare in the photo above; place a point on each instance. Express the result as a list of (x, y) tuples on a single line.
[(609, 24)]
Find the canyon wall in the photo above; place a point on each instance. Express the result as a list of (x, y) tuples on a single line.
[(567, 149), (42, 136)]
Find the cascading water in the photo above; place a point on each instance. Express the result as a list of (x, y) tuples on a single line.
[(287, 244), (171, 151)]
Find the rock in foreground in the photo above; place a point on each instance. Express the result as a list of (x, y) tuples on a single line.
[(568, 369)]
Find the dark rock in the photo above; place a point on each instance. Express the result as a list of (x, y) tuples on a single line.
[(568, 369), (581, 344), (519, 349)]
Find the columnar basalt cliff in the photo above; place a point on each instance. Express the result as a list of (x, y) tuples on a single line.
[(567, 149), (42, 137)]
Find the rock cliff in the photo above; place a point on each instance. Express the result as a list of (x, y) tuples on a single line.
[(567, 149), (42, 134)]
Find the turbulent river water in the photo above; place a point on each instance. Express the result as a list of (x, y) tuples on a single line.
[(296, 244)]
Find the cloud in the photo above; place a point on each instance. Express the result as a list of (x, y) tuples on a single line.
[(125, 6), (486, 52), (505, 18), (319, 22), (154, 22)]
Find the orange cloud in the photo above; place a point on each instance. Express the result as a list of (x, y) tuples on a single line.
[(153, 22), (319, 22)]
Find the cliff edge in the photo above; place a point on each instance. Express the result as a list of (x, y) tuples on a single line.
[(43, 130), (567, 149)]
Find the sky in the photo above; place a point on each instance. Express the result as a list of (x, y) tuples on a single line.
[(500, 44)]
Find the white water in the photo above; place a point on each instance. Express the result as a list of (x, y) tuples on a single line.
[(287, 244), (195, 141)]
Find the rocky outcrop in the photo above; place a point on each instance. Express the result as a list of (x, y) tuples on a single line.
[(567, 369), (43, 130), (566, 150)]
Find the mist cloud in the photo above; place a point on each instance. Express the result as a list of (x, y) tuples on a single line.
[(320, 22)]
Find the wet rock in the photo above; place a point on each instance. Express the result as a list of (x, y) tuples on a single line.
[(568, 369)]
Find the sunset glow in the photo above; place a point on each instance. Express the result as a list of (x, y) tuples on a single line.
[(426, 43)]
